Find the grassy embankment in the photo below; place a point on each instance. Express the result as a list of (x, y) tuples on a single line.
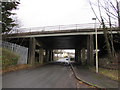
[(8, 61), (113, 74), (108, 69)]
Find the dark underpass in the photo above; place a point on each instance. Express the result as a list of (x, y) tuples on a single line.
[(76, 42)]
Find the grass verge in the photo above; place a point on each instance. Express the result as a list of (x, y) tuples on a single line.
[(113, 74), (8, 62), (20, 67), (8, 58)]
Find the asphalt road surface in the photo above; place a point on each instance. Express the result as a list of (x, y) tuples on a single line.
[(48, 76)]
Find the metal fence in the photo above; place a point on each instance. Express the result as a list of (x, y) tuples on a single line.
[(20, 50)]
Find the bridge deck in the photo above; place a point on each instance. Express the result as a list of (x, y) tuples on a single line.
[(59, 33)]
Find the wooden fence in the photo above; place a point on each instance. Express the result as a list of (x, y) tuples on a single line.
[(20, 50)]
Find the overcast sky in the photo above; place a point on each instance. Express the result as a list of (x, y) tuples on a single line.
[(37, 13)]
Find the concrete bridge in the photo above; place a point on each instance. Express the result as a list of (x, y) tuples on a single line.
[(46, 39)]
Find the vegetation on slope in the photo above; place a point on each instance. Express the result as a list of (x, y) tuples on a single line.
[(113, 74), (8, 59)]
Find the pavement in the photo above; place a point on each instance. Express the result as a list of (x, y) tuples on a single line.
[(48, 76), (94, 79), (56, 76)]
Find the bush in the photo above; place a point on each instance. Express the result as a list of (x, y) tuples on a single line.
[(9, 58), (105, 63), (72, 59)]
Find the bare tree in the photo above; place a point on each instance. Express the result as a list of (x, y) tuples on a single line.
[(108, 12)]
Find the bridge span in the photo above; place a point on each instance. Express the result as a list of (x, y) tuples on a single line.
[(45, 41), (60, 30)]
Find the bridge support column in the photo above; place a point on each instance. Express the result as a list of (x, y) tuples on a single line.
[(83, 56), (32, 46), (51, 55), (47, 56), (54, 57), (90, 48), (41, 56), (78, 56)]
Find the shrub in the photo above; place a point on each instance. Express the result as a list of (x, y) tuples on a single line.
[(9, 58)]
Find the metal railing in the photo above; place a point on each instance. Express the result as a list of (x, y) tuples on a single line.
[(20, 50), (60, 27)]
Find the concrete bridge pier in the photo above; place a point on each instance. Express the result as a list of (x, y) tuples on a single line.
[(32, 47), (31, 55), (46, 55), (41, 55), (83, 56), (90, 49), (50, 55), (78, 56)]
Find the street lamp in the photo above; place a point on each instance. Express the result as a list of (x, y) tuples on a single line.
[(96, 45)]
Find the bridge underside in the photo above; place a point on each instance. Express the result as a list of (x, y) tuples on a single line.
[(63, 42), (47, 44), (55, 42)]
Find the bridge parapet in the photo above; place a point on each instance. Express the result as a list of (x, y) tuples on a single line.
[(59, 28)]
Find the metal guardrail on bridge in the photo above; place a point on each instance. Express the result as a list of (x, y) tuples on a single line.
[(60, 27)]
